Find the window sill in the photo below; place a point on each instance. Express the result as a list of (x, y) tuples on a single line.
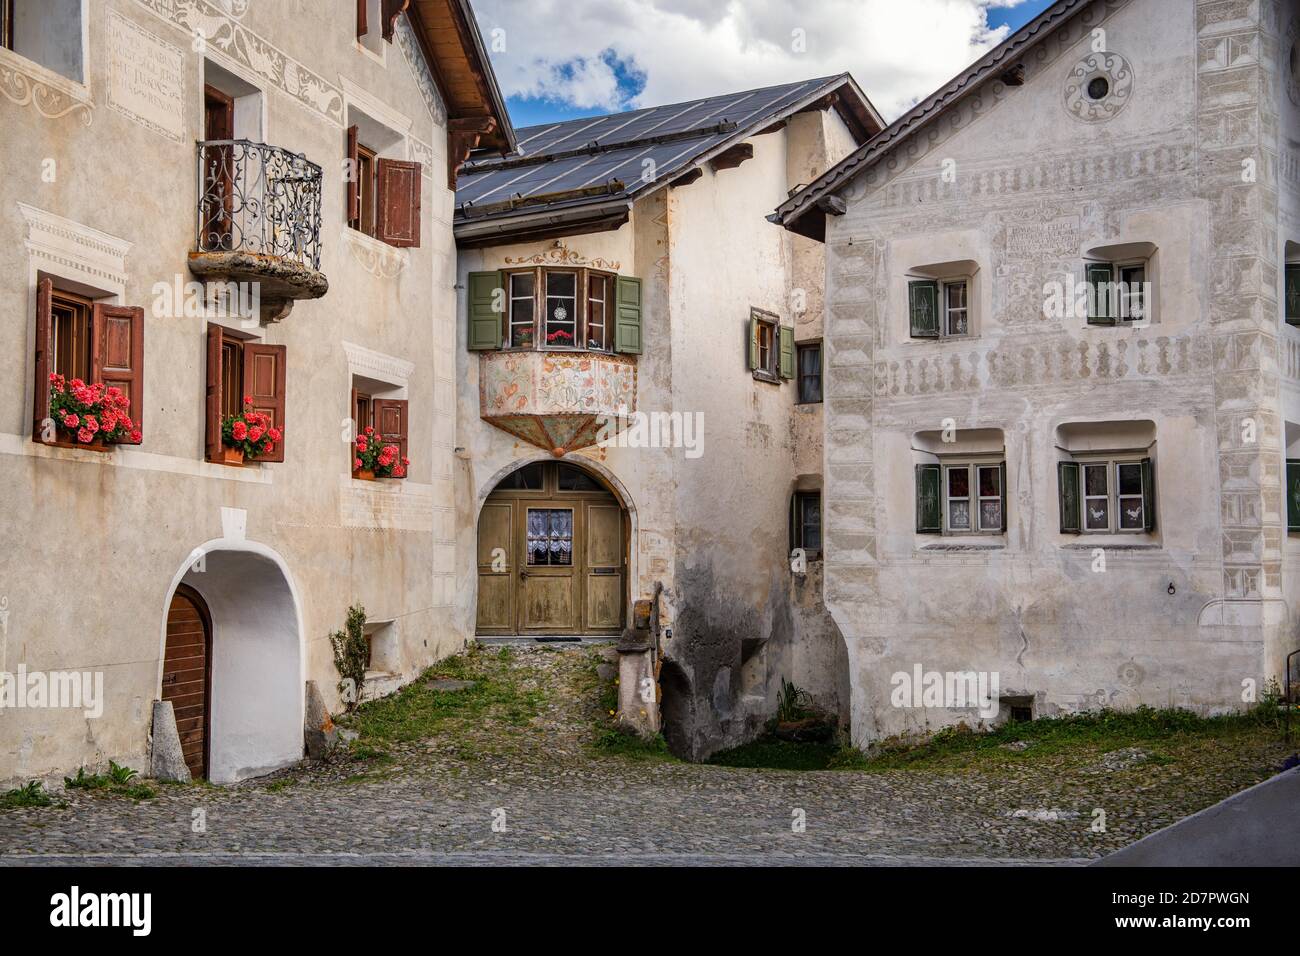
[(961, 546), (1109, 543), (73, 89), (762, 376)]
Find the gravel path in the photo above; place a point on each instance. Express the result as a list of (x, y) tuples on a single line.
[(536, 793)]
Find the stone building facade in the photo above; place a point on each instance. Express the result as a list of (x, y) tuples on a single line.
[(1077, 486), (698, 318), (156, 565)]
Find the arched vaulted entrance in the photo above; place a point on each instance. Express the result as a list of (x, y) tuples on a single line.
[(552, 554)]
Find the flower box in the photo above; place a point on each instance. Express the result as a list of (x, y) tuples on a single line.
[(247, 435), (371, 456), (364, 474), (232, 456), (91, 416)]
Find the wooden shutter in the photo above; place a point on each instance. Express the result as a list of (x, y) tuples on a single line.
[(1292, 293), (117, 354), (1292, 494), (1149, 494), (44, 349), (923, 308), (391, 10), (754, 333), (929, 517), (264, 381), (1002, 486), (399, 202), (486, 308), (1067, 481), (390, 422), (362, 27), (627, 315), (786, 337), (354, 174), (214, 400), (1099, 277)]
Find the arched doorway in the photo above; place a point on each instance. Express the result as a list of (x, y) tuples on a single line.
[(552, 554), (187, 675), (253, 670)]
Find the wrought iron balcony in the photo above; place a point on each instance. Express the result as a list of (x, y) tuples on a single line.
[(259, 220)]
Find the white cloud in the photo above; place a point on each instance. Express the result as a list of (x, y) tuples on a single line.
[(898, 50)]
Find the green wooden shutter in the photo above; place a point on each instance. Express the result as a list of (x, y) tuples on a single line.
[(1149, 494), (486, 306), (786, 335), (1099, 278), (1002, 487), (928, 517), (627, 315), (923, 306), (1067, 474), (1292, 494), (1292, 293), (753, 342)]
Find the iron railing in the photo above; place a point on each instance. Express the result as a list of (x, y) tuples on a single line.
[(260, 199)]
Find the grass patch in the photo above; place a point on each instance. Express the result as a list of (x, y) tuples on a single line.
[(607, 738), (774, 754), (417, 712), (31, 794), (119, 781)]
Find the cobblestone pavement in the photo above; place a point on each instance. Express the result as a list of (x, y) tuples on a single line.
[(437, 799)]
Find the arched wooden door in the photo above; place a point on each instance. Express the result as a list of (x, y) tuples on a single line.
[(552, 554), (187, 675)]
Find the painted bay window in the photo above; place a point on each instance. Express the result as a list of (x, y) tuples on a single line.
[(961, 498), (79, 338), (572, 309), (1106, 495)]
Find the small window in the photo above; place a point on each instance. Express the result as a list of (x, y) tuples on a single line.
[(70, 328), (380, 421), (771, 347), (810, 373), (1117, 292), (1291, 293), (806, 523), (47, 32), (561, 317), (973, 498), (550, 537), (767, 347), (383, 194), (575, 479), (528, 478), (938, 308), (1111, 496), (523, 304), (598, 299)]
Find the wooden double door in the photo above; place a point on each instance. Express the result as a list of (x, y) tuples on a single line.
[(552, 555)]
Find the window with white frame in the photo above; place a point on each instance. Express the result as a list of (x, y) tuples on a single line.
[(1106, 495), (940, 300), (961, 497)]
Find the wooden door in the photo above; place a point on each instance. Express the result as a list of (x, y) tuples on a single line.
[(548, 596), (218, 171), (187, 675), (602, 565), (498, 568)]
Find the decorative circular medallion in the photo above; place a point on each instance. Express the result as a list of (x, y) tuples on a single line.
[(1098, 86), (560, 313), (1291, 43)]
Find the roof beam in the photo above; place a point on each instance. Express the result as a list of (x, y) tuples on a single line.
[(732, 156)]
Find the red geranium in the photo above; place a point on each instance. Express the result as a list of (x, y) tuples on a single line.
[(250, 431), (88, 411)]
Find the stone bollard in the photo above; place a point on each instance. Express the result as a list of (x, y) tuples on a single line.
[(638, 691), (320, 736), (166, 760)]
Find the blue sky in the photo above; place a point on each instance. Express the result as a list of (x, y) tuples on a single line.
[(565, 59)]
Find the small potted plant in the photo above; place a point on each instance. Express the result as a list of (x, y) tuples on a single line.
[(93, 416), (248, 434), (560, 337), (523, 338), (373, 459)]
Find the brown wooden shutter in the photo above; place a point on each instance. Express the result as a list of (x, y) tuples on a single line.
[(390, 422), (392, 9), (399, 202), (117, 354), (214, 399), (362, 27), (354, 178), (44, 356), (264, 381)]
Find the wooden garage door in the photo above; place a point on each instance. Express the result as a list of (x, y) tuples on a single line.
[(187, 670)]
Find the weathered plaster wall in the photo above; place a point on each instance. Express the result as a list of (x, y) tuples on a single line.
[(1035, 188), (95, 540)]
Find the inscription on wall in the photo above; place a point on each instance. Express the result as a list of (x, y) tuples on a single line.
[(147, 81)]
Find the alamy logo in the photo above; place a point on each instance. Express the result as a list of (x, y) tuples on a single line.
[(626, 429), (74, 909), (53, 689), (955, 690)]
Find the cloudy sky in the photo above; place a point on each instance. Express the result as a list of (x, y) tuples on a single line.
[(560, 59)]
